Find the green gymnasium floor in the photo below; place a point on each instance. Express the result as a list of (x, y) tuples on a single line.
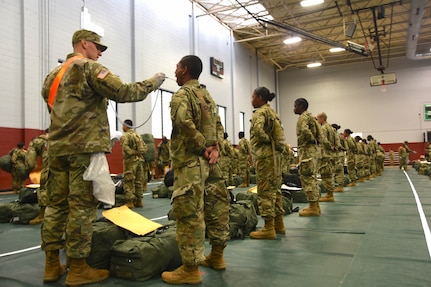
[(375, 234)]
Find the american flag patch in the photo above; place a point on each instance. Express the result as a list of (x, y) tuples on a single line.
[(102, 74)]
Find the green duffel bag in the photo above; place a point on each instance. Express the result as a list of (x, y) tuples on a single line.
[(162, 191), (242, 219), (105, 233), (150, 155), (120, 199), (247, 195), (5, 163), (5, 212), (142, 258), (23, 213)]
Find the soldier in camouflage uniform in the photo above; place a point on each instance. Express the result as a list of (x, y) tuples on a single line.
[(163, 155), (360, 159), (367, 159), (372, 145), (244, 149), (380, 159), (226, 159), (267, 143), (339, 160), (309, 135), (18, 167), (134, 149), (328, 148), (351, 151), (200, 196), (287, 159), (79, 128), (38, 147)]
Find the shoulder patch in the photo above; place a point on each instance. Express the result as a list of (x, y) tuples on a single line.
[(102, 74)]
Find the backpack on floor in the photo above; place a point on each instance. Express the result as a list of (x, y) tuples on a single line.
[(162, 191), (105, 233), (22, 213), (242, 219), (142, 258), (247, 195), (28, 195), (6, 212), (287, 202)]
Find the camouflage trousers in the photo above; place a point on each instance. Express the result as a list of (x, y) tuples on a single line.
[(268, 177), (188, 209), (71, 209), (18, 181), (244, 170), (217, 202), (42, 194), (339, 170), (326, 170), (133, 175), (307, 171), (351, 166)]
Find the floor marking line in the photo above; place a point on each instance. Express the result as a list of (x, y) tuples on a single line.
[(38, 247), (424, 221)]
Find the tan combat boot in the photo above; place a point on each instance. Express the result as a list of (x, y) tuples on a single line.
[(80, 273), (312, 210), (130, 204), (53, 269), (138, 202), (329, 197), (266, 232), (339, 189), (38, 219), (215, 259), (352, 183), (185, 274), (279, 224)]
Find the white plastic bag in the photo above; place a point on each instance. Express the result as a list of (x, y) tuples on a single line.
[(98, 173)]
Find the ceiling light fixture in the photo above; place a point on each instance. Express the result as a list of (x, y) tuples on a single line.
[(336, 49), (314, 65), (292, 40), (307, 3)]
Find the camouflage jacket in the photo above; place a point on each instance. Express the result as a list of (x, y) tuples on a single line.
[(266, 129), (134, 148), (195, 126), (79, 121), (308, 130)]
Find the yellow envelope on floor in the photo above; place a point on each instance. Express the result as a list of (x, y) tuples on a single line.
[(253, 189), (130, 220)]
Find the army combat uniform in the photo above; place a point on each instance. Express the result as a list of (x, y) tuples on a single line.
[(38, 147), (79, 128), (244, 161), (267, 143), (134, 149)]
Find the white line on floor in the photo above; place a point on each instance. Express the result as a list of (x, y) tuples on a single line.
[(424, 221)]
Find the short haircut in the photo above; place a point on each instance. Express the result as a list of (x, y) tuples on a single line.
[(302, 103), (194, 65), (128, 123)]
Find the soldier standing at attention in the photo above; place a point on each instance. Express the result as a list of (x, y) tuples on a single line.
[(18, 168), (77, 93), (38, 147), (244, 160), (328, 157), (267, 143), (351, 151), (134, 149), (339, 162), (200, 196), (163, 155), (308, 132)]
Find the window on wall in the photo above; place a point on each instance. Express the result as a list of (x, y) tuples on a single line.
[(222, 114), (161, 118), (241, 121)]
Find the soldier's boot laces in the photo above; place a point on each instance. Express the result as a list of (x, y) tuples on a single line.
[(266, 232), (215, 258), (80, 273), (279, 225), (312, 210), (53, 269), (183, 275)]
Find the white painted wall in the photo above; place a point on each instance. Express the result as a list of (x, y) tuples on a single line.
[(344, 93), (145, 37)]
